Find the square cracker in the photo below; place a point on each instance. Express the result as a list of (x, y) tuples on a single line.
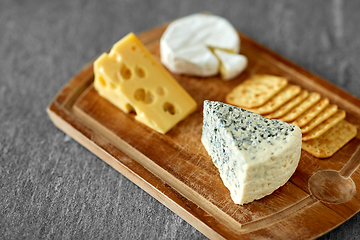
[(256, 90), (330, 142), (312, 99), (278, 100), (325, 125), (289, 105), (328, 112), (311, 113)]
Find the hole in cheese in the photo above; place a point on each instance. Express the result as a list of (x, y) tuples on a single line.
[(168, 107), (160, 91), (141, 95), (133, 48), (139, 72), (125, 72), (130, 108), (102, 81), (112, 85), (149, 97)]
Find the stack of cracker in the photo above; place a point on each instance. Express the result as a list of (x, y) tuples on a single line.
[(322, 124)]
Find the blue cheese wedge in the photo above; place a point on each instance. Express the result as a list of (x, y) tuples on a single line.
[(254, 155)]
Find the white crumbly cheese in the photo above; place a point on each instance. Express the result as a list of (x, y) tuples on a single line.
[(187, 43), (231, 64), (254, 155)]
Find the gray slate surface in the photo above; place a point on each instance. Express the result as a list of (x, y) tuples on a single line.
[(53, 188)]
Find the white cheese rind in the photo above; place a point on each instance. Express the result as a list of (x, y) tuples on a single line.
[(231, 64), (185, 44), (254, 155)]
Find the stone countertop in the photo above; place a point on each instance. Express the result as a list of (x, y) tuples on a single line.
[(51, 186)]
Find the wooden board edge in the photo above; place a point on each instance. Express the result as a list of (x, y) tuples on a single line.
[(167, 201), (133, 177), (157, 194), (161, 173)]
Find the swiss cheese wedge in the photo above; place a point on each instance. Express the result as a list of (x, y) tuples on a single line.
[(133, 80)]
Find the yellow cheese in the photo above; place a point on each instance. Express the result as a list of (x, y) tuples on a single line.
[(133, 80)]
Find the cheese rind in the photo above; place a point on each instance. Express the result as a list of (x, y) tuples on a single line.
[(133, 80), (186, 44), (254, 155)]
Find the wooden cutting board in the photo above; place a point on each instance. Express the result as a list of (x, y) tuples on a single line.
[(176, 169)]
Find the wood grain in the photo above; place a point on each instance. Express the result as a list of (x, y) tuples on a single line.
[(176, 170)]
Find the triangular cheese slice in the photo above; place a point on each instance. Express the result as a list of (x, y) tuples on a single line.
[(133, 80), (231, 64), (254, 155)]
